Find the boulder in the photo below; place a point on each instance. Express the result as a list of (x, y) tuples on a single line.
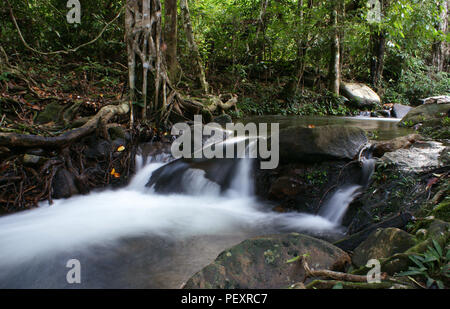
[(351, 242), (383, 243), (223, 119), (443, 99), (420, 157), (63, 185), (268, 262), (429, 114), (301, 144), (400, 111), (402, 142), (360, 95)]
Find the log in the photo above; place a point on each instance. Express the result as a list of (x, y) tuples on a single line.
[(28, 140)]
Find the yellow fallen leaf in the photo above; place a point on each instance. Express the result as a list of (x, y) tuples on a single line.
[(116, 175), (113, 171), (121, 148)]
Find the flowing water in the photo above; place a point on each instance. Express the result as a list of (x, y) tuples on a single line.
[(136, 238)]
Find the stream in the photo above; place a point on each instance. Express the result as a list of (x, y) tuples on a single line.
[(136, 238)]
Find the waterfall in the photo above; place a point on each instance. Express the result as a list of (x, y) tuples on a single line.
[(335, 208), (40, 241)]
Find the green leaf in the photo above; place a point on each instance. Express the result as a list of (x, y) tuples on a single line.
[(338, 286), (293, 259), (438, 247), (411, 273), (430, 282), (440, 284)]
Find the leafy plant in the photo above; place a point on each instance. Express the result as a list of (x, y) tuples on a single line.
[(433, 265)]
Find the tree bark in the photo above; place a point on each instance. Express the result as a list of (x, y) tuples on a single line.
[(260, 45), (378, 50), (334, 73), (171, 37), (193, 46), (440, 47)]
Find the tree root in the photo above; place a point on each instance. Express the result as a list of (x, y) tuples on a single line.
[(329, 284), (214, 104), (348, 281), (28, 141)]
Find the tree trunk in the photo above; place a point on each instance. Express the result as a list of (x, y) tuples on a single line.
[(260, 44), (378, 50), (171, 37), (334, 73), (377, 61), (144, 37), (439, 47), (192, 45)]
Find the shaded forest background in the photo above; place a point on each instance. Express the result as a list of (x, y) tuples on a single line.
[(276, 55)]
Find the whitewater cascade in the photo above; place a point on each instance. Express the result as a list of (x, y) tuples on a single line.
[(30, 240)]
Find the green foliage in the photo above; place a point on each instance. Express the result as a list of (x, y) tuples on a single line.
[(44, 26), (433, 265), (416, 81)]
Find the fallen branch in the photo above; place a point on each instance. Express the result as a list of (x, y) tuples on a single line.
[(25, 140), (329, 284), (325, 273)]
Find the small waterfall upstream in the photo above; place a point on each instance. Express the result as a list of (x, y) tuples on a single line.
[(335, 208), (134, 237)]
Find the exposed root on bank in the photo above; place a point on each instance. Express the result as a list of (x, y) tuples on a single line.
[(347, 281), (33, 141)]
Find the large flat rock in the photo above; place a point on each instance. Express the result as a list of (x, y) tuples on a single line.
[(301, 144), (262, 263)]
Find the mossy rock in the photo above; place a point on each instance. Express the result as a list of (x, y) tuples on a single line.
[(51, 113), (268, 262), (382, 243), (429, 114), (442, 211), (438, 230), (57, 113)]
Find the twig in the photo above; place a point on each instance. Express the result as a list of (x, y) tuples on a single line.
[(333, 274)]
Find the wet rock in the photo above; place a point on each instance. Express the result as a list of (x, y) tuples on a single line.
[(284, 186), (400, 111), (304, 186), (403, 142), (382, 243), (262, 263), (360, 95), (383, 113), (63, 185), (444, 99), (420, 157), (222, 119), (428, 114), (353, 241), (300, 144), (33, 160), (97, 148), (117, 132)]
